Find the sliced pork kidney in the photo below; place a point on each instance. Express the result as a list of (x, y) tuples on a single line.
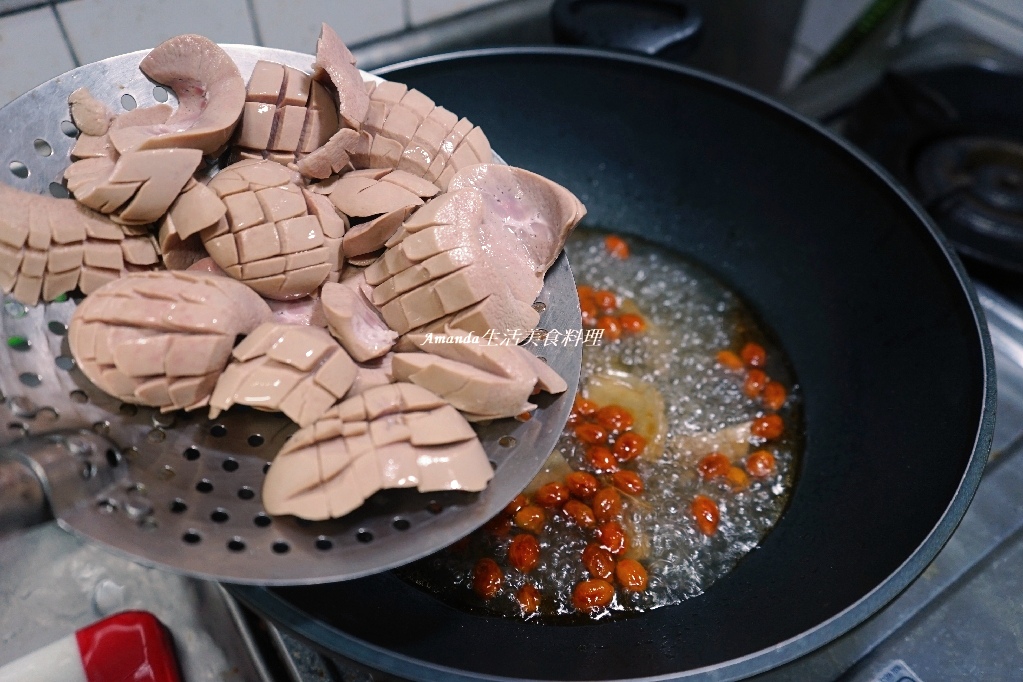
[(210, 92), (136, 189), (298, 370), (391, 436), (335, 62), (540, 212), (354, 321), (162, 338), (268, 238), (474, 258), (482, 380), (287, 114), (50, 246), (404, 129)]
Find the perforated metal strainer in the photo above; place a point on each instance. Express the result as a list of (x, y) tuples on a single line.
[(183, 492)]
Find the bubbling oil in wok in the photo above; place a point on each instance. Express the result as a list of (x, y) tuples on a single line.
[(698, 414)]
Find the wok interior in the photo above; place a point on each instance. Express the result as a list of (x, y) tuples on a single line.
[(874, 318)]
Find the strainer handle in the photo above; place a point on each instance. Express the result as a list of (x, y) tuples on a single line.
[(42, 475), (22, 498)]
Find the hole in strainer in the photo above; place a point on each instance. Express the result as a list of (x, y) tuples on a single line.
[(219, 515), (68, 128), (113, 458), (58, 328), (42, 147), (65, 362), (262, 520), (128, 410), (255, 440), (178, 506), (434, 507), (218, 430), (539, 306), (280, 547), (192, 537), (59, 191), (15, 309), (30, 379), (230, 464), (191, 454), (246, 493), (401, 524), (160, 94), (323, 543), (204, 486), (507, 441), (18, 169), (19, 343), (236, 544), (266, 467), (364, 536), (78, 397), (128, 102), (541, 359)]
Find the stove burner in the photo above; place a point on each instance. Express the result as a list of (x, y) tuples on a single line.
[(954, 137), (973, 186)]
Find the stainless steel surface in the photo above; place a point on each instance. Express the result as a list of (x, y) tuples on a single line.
[(54, 473), (22, 501), (190, 501), (53, 583)]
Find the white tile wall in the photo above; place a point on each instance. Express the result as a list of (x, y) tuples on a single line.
[(823, 21), (295, 24), (799, 62), (1011, 10), (32, 51), (425, 11), (974, 17), (103, 28)]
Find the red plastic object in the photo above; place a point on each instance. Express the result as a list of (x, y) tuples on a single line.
[(132, 646)]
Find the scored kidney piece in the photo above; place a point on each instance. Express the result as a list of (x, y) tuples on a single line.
[(298, 370), (49, 246), (404, 129), (474, 258), (268, 238), (287, 114), (482, 381), (392, 436), (162, 338)]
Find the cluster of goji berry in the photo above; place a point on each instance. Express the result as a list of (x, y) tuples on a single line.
[(760, 464), (600, 309), (592, 501)]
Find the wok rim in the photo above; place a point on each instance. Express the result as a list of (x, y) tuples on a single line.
[(333, 640)]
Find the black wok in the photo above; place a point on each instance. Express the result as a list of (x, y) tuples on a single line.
[(875, 313)]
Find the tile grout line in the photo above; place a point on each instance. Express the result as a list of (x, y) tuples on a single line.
[(256, 32), (64, 34)]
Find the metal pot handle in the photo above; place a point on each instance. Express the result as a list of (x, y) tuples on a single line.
[(668, 29)]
